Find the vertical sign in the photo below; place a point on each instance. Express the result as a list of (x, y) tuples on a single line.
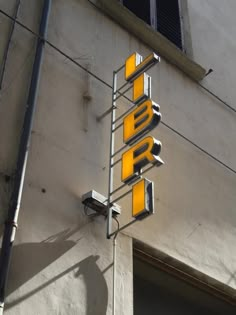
[(136, 124), (142, 149)]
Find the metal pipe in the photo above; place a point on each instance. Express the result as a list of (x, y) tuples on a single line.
[(114, 277), (15, 202), (123, 227), (122, 86), (119, 188), (126, 112), (122, 196), (111, 160), (116, 128), (107, 112), (9, 42), (114, 269), (119, 150), (119, 69), (123, 93), (116, 162)]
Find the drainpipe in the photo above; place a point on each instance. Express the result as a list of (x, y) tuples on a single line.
[(15, 202)]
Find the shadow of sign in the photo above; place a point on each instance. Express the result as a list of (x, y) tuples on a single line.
[(29, 259), (96, 287)]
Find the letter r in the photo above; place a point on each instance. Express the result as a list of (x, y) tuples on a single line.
[(144, 152)]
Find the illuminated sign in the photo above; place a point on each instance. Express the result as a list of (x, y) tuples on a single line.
[(141, 149), (135, 65), (141, 120), (142, 153), (135, 125), (142, 198)]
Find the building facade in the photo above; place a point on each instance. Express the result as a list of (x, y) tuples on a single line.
[(61, 261)]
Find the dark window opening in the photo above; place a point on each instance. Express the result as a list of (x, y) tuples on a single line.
[(168, 20), (139, 8), (157, 292), (163, 15)]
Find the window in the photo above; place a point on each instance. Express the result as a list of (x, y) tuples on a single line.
[(159, 292), (162, 15)]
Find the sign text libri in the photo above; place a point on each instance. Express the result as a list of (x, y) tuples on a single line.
[(143, 150)]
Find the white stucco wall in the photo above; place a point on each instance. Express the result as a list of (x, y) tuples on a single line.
[(62, 260)]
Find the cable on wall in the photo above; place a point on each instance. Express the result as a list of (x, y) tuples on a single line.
[(6, 51), (109, 86), (217, 97), (202, 86), (90, 72)]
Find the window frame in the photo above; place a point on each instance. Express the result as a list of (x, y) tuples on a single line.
[(153, 14), (185, 273), (152, 38), (154, 21)]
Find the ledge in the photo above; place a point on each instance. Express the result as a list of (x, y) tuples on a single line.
[(182, 271), (151, 38)]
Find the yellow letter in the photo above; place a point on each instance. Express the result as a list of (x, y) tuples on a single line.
[(142, 199), (141, 120), (144, 152), (142, 88), (134, 65)]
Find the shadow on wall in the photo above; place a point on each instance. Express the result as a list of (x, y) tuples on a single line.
[(96, 287), (31, 258)]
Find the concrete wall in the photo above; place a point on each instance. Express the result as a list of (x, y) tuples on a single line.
[(62, 262)]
